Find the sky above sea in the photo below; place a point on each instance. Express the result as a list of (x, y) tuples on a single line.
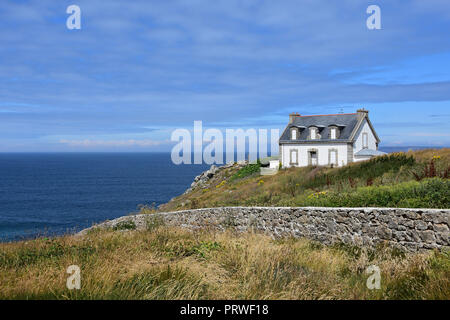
[(137, 70)]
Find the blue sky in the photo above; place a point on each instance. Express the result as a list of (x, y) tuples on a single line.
[(137, 70)]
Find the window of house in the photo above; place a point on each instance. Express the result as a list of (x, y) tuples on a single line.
[(293, 134), (333, 157), (294, 157), (313, 157), (313, 133), (365, 138), (333, 133)]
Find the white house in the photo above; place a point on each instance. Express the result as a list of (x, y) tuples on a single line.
[(328, 140)]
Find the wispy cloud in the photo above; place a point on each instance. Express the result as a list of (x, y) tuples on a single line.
[(429, 134), (113, 143)]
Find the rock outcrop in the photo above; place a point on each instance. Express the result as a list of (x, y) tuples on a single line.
[(203, 179)]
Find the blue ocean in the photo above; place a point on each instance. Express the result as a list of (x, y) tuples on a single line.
[(56, 193)]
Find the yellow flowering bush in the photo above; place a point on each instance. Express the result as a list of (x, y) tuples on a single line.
[(221, 184), (317, 195)]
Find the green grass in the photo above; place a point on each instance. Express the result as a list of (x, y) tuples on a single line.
[(246, 171), (365, 171), (434, 193), (170, 263)]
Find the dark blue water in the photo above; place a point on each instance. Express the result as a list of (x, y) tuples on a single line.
[(48, 194)]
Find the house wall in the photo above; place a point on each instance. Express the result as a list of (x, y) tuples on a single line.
[(358, 145), (357, 159), (274, 164), (322, 149)]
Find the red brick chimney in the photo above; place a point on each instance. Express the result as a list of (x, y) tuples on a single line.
[(362, 113), (292, 116)]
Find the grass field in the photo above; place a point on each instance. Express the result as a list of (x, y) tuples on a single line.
[(168, 263)]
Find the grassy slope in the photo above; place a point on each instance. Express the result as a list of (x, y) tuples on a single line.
[(388, 181), (168, 263)]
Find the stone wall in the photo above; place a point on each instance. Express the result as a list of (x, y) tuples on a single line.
[(408, 229)]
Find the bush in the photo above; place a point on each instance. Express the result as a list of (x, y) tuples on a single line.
[(365, 171), (246, 171), (432, 169), (125, 225), (430, 193)]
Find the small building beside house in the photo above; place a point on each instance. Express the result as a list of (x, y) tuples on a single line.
[(328, 140)]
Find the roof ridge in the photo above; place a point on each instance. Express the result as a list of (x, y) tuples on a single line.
[(326, 115)]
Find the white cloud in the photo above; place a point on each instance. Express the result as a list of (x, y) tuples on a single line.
[(114, 143), (429, 134)]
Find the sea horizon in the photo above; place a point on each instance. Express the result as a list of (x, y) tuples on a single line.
[(401, 147), (53, 193)]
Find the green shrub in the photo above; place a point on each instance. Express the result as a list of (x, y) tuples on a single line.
[(189, 247), (52, 250), (364, 172), (203, 249), (246, 171), (431, 193), (435, 168), (125, 225)]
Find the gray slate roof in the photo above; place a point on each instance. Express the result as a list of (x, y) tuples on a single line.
[(345, 122)]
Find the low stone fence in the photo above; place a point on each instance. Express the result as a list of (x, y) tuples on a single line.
[(408, 229)]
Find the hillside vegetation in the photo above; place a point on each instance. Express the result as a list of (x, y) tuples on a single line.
[(417, 179), (170, 263)]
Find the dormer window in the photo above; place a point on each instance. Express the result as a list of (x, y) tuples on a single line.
[(293, 134), (334, 132), (313, 134)]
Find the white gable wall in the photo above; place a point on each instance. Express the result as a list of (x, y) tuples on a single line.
[(323, 153), (372, 141)]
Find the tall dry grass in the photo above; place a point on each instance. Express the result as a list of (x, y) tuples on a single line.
[(170, 263)]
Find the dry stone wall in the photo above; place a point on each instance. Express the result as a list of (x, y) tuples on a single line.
[(408, 229)]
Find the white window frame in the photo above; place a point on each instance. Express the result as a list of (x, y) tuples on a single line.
[(293, 134), (330, 152), (292, 151), (365, 140), (313, 133), (310, 158), (333, 133)]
